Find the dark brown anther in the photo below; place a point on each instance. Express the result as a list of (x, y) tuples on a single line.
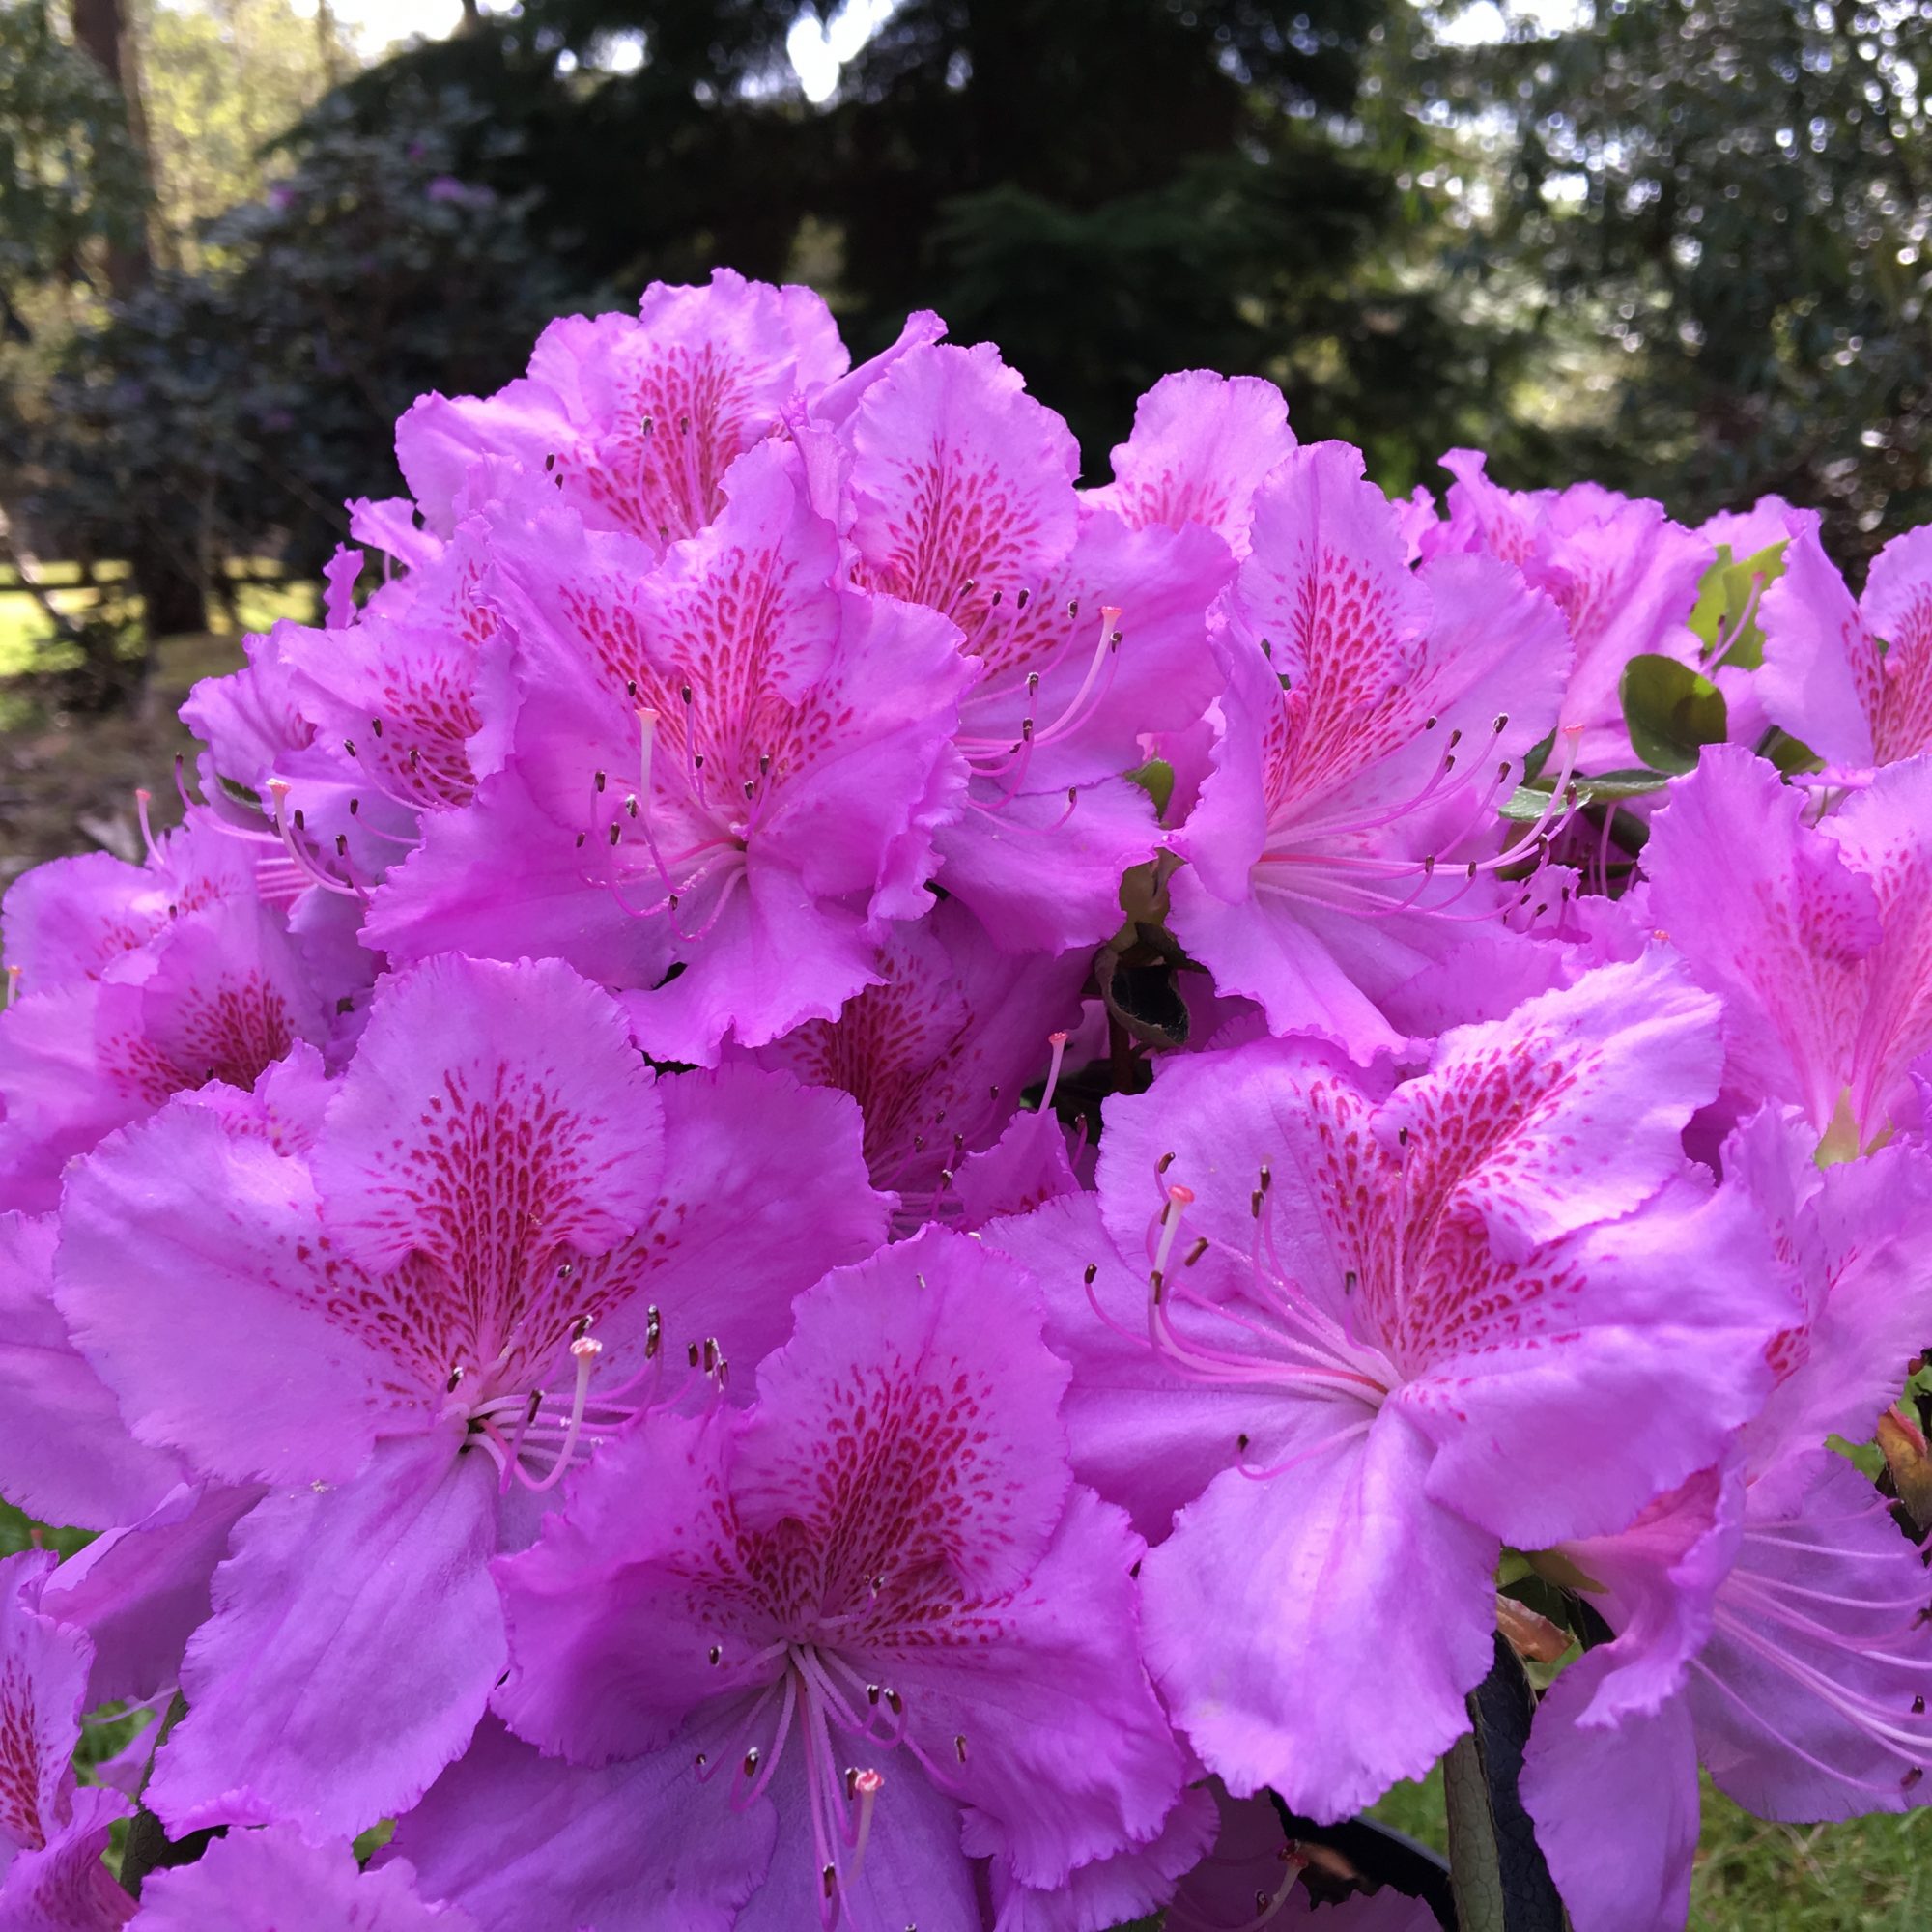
[(598, 780), (455, 1377), (342, 844), (691, 1354), (959, 1746), (348, 745), (1503, 723), (1195, 1253), (355, 807), (1074, 607), (301, 823), (1093, 1268), (751, 1762), (1164, 1163), (617, 831), (872, 1694), (1020, 600)]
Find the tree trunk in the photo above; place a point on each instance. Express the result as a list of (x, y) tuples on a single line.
[(172, 598)]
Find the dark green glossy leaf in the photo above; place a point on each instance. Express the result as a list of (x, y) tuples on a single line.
[(1671, 711), (1502, 1882), (1156, 778)]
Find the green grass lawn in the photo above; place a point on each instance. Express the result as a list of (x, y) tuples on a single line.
[(25, 642), (1872, 1875)]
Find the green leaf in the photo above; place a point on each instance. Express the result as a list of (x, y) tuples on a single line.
[(1672, 712), (1537, 757), (1530, 801), (1500, 1881), (1156, 778), (1724, 617), (1788, 753)]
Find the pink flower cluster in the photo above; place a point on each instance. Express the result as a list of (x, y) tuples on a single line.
[(838, 1187)]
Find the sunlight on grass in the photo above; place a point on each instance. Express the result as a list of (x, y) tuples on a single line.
[(1868, 1875), (27, 646)]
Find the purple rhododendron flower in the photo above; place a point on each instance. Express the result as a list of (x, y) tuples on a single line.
[(1624, 575), (1853, 680), (723, 778), (390, 1324), (1091, 632), (872, 1617), (1815, 937), (52, 1829), (1769, 1617), (269, 1881), (938, 1052), (1387, 1328), (142, 982), (834, 1185), (1371, 720)]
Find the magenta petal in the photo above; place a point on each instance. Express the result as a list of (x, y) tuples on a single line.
[(64, 1886), (141, 1592), (1110, 1891), (1200, 445), (1030, 1163), (915, 1871), (1897, 604), (1770, 916), (1043, 871), (1139, 1435), (905, 1334), (626, 1590), (1578, 1103), (1319, 1633), (964, 483), (1666, 1314), (52, 1835), (1038, 1714), (355, 1637), (66, 1455), (1859, 1239), (1810, 1697), (271, 1880), (486, 1104), (764, 1190), (1616, 1809), (1820, 675), (189, 1275), (526, 1843)]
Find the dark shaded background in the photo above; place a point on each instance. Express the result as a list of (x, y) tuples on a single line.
[(1675, 245)]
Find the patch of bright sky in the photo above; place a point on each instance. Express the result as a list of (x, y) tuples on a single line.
[(374, 23), (1476, 26), (818, 49)]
